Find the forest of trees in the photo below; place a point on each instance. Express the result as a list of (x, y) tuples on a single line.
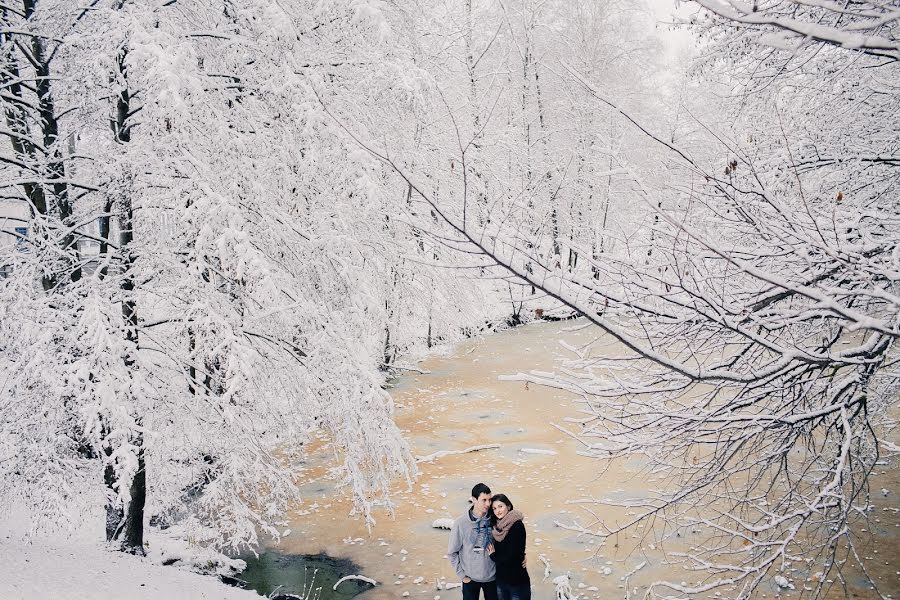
[(240, 215)]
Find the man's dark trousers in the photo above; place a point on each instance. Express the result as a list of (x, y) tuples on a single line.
[(471, 589)]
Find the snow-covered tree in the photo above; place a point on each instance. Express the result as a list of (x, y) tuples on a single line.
[(767, 326), (761, 328), (521, 147), (211, 277)]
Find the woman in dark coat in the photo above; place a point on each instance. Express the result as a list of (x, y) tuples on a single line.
[(508, 550)]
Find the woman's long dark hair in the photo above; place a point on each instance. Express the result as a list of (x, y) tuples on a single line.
[(502, 498)]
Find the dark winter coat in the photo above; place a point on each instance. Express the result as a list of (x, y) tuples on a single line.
[(509, 554)]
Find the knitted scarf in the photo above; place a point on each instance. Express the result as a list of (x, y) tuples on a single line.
[(502, 527)]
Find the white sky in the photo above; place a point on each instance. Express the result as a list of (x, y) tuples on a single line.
[(678, 39)]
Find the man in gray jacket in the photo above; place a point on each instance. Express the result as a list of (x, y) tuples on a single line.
[(467, 551)]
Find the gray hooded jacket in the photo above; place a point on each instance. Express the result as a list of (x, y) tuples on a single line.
[(467, 560)]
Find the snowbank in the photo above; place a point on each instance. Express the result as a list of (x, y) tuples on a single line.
[(81, 568), (76, 572)]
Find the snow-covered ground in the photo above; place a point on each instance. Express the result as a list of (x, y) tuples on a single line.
[(79, 568), (85, 572)]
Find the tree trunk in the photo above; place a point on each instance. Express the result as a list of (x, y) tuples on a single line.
[(472, 161), (132, 529), (17, 121), (55, 166), (114, 513), (132, 538), (608, 188), (49, 165), (556, 247)]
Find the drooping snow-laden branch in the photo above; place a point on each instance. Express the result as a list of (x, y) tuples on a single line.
[(867, 27)]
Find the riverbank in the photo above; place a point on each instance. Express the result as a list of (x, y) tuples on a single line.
[(77, 571), (78, 566)]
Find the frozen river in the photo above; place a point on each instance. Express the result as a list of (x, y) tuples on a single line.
[(458, 402)]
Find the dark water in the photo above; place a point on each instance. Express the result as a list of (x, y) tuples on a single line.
[(303, 575)]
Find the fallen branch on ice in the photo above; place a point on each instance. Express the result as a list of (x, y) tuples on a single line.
[(633, 571), (403, 368), (577, 528), (538, 451), (547, 569), (349, 577), (889, 446), (563, 588), (442, 453)]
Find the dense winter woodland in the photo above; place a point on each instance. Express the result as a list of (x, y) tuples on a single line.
[(225, 222)]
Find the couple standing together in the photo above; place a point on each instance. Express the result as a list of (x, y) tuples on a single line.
[(487, 549)]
